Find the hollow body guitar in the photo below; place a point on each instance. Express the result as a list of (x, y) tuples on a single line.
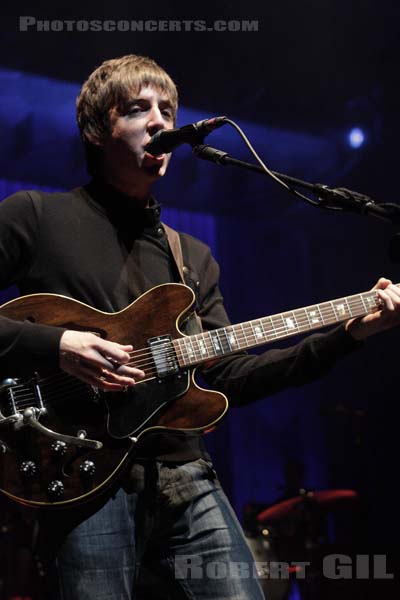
[(63, 441)]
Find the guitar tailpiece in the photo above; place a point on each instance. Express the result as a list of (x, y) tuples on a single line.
[(15, 419), (30, 417)]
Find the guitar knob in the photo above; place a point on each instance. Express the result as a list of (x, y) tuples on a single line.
[(87, 468), (59, 448), (55, 489), (28, 468)]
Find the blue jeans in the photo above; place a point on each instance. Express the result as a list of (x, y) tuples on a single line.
[(174, 527)]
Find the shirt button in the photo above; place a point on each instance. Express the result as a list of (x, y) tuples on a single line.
[(160, 232)]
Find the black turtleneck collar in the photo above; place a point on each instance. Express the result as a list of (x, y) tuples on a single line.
[(122, 210)]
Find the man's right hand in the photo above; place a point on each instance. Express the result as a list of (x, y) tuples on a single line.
[(98, 362)]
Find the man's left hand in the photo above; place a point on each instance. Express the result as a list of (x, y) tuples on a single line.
[(386, 317)]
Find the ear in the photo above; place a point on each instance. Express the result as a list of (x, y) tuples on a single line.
[(94, 140)]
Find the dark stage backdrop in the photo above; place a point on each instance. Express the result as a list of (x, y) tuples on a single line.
[(276, 253)]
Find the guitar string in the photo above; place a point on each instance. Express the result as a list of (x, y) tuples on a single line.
[(150, 375), (248, 325), (75, 384), (56, 396), (172, 353), (327, 309), (66, 396), (242, 336), (303, 324), (27, 401), (30, 397)]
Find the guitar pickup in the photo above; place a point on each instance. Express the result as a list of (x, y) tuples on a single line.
[(164, 356)]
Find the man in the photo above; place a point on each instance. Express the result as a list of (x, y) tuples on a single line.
[(104, 245)]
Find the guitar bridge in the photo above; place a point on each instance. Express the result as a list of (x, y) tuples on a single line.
[(164, 357)]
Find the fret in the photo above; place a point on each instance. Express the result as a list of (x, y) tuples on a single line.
[(334, 311), (312, 314), (202, 346), (355, 304), (348, 306), (265, 334), (320, 313), (308, 318), (290, 322), (281, 317), (279, 325), (218, 350), (328, 312), (245, 342), (268, 334), (227, 340), (371, 301), (299, 319), (195, 345), (191, 351), (233, 342), (223, 338), (363, 303), (252, 333), (258, 331), (194, 340), (340, 310), (273, 328), (182, 357)]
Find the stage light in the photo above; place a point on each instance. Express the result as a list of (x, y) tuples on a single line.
[(356, 137)]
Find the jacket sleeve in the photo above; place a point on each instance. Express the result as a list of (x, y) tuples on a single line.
[(24, 346), (244, 377)]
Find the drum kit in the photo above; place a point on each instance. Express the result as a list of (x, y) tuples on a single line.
[(287, 541)]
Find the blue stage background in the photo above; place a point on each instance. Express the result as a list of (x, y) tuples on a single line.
[(275, 253)]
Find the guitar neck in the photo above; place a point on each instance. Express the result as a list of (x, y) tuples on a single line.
[(202, 347)]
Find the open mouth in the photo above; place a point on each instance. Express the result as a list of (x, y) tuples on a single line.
[(154, 157)]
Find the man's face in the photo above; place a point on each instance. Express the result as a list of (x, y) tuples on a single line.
[(125, 158)]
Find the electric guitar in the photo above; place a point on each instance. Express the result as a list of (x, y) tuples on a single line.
[(62, 441)]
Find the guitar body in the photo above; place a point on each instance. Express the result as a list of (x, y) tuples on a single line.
[(39, 470)]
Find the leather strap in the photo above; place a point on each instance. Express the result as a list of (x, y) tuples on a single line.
[(193, 322), (174, 242)]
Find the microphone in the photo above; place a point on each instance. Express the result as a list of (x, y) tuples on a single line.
[(166, 140)]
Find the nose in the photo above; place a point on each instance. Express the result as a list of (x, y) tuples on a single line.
[(156, 120)]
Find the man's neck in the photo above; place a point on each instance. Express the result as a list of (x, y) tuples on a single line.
[(139, 192)]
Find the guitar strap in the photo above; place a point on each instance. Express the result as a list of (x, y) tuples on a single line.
[(175, 246), (193, 322)]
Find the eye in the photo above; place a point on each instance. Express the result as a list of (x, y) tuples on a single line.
[(134, 110)]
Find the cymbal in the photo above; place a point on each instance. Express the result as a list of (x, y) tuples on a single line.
[(322, 498)]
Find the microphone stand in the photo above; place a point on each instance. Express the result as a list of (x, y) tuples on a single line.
[(339, 199)]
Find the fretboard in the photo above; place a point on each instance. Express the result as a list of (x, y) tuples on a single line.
[(201, 347)]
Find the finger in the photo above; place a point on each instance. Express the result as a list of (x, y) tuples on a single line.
[(386, 299), (114, 377), (114, 352), (382, 283), (394, 291), (131, 372), (94, 359), (86, 373), (98, 369)]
